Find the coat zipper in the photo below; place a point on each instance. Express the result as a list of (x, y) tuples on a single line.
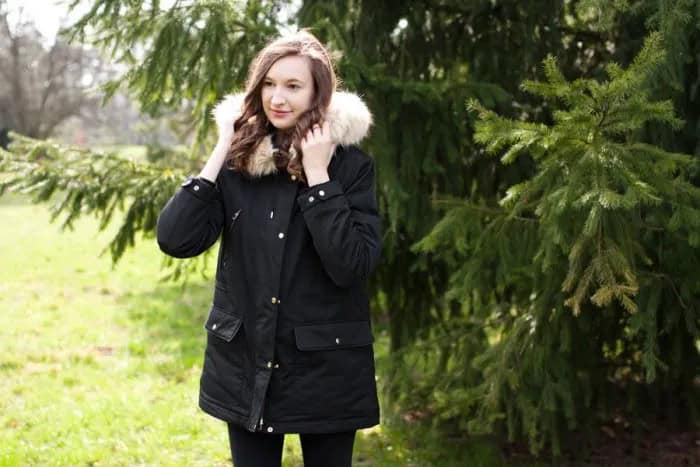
[(228, 231), (233, 219)]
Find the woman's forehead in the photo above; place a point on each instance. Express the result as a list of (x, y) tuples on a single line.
[(288, 68)]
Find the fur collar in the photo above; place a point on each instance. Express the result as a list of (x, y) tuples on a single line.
[(348, 116)]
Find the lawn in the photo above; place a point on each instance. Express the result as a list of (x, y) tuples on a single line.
[(100, 365)]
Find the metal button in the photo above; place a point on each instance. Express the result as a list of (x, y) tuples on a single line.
[(196, 188), (337, 340), (293, 177), (269, 364), (274, 299), (311, 198), (214, 326), (281, 235), (272, 214), (269, 429), (321, 192), (277, 365)]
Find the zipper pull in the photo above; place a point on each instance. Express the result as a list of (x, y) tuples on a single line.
[(233, 219)]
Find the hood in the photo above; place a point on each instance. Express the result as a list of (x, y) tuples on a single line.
[(348, 117)]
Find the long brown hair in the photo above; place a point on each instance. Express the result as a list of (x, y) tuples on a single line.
[(252, 126)]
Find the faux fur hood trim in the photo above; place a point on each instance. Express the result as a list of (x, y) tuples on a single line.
[(348, 117)]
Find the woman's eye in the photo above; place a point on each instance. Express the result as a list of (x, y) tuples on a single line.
[(290, 86)]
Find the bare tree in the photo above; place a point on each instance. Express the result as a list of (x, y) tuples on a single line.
[(42, 85)]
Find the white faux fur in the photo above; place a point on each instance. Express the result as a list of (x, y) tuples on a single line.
[(348, 117)]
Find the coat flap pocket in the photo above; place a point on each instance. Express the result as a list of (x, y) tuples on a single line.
[(333, 335), (222, 324)]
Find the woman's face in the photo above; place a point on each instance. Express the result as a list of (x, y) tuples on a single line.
[(287, 91)]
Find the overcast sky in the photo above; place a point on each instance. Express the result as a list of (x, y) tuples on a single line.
[(47, 15)]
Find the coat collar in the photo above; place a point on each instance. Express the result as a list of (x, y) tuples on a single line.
[(348, 116)]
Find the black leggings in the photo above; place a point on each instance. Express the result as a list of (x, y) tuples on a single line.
[(265, 450)]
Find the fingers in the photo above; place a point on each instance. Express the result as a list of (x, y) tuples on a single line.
[(317, 133)]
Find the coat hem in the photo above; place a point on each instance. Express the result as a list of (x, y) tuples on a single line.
[(323, 426), (318, 426), (222, 413)]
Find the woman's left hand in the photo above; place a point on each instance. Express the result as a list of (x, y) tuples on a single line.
[(317, 148)]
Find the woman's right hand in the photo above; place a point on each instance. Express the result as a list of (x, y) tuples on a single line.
[(218, 155), (225, 135)]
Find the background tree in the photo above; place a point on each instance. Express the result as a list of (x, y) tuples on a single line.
[(42, 85), (574, 257)]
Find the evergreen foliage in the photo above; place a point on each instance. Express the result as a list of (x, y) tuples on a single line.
[(96, 184), (582, 272), (192, 50)]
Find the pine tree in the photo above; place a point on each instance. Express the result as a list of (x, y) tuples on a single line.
[(581, 271)]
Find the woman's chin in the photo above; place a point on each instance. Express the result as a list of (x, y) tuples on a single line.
[(283, 125)]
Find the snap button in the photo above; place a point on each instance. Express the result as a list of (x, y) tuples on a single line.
[(269, 429), (274, 299), (214, 326), (269, 364), (196, 188), (281, 235), (293, 177), (321, 192), (277, 365), (311, 199), (337, 340)]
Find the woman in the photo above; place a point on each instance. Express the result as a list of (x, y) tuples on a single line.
[(289, 341)]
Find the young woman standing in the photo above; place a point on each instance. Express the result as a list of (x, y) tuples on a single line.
[(289, 339)]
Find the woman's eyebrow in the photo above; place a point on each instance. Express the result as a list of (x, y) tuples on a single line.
[(289, 80)]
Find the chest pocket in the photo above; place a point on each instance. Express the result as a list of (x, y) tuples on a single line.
[(227, 237), (233, 220)]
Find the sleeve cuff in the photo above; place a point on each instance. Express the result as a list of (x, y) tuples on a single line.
[(311, 196), (200, 188)]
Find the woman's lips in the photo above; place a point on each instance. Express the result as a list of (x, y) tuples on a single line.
[(278, 113)]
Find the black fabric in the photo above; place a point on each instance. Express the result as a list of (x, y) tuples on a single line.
[(289, 338), (207, 181), (333, 336), (265, 450)]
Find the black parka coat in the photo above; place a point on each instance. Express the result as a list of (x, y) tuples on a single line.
[(289, 340)]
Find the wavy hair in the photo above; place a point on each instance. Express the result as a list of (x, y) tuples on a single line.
[(253, 125)]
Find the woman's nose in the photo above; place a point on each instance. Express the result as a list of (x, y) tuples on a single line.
[(277, 98)]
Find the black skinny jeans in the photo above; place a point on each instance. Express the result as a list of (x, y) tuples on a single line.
[(265, 450)]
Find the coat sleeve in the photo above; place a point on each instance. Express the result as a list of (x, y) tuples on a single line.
[(345, 225), (191, 220)]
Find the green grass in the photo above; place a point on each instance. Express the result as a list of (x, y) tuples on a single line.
[(100, 366)]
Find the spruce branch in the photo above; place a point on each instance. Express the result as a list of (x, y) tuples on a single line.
[(593, 177), (90, 183)]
